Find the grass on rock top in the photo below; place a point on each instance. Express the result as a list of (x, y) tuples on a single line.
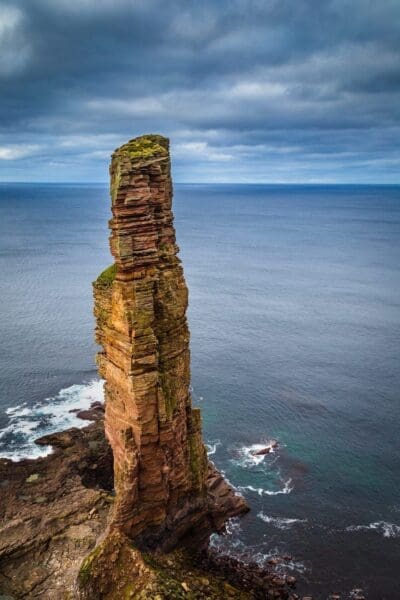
[(146, 146), (107, 276)]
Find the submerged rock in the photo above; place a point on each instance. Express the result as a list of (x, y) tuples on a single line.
[(266, 450)]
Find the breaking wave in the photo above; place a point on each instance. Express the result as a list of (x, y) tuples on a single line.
[(248, 456), (231, 544), (212, 447), (280, 522), (263, 464), (287, 488), (27, 424), (388, 530)]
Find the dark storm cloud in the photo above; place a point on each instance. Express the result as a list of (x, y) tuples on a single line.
[(247, 90)]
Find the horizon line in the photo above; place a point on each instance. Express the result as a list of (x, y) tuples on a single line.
[(279, 183)]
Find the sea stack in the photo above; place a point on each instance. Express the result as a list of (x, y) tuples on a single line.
[(164, 484), (132, 521)]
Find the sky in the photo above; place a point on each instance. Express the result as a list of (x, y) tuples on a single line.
[(252, 91)]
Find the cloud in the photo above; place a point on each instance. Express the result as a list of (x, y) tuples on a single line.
[(16, 152), (14, 49), (261, 90), (201, 150)]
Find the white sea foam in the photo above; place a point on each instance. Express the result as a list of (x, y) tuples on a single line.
[(251, 488), (231, 543), (287, 488), (26, 424), (248, 456), (21, 410), (231, 537), (292, 565), (280, 522), (212, 447), (388, 530), (233, 526)]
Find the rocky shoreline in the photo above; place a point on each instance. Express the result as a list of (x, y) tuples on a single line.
[(53, 511)]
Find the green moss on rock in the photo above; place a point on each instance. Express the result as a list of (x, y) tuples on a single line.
[(169, 393), (107, 277), (86, 568), (146, 146)]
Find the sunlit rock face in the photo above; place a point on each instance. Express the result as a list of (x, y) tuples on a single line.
[(160, 462)]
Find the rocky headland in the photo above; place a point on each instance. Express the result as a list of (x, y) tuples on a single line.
[(129, 514)]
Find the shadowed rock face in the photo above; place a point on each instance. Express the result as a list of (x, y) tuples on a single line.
[(160, 463)]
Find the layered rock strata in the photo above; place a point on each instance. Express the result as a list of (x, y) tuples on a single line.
[(160, 463)]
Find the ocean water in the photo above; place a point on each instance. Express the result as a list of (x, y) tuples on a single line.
[(295, 329)]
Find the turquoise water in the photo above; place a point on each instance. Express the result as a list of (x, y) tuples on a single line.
[(295, 324)]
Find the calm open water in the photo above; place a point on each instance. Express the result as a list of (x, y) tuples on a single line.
[(295, 324)]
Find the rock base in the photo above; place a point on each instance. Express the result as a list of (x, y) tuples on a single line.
[(54, 513)]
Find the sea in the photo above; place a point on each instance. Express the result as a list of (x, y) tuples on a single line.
[(295, 337)]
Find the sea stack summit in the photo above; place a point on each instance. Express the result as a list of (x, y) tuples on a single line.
[(164, 484)]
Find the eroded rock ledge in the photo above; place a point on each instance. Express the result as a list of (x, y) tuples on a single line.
[(52, 511)]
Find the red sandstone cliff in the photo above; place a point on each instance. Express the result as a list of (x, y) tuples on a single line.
[(160, 463)]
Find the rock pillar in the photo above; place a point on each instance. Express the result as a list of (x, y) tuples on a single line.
[(160, 463)]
